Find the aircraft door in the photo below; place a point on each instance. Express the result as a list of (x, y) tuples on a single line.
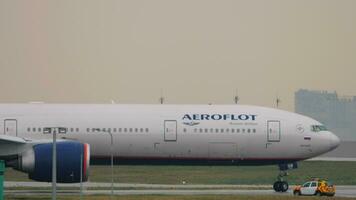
[(273, 131), (10, 127), (170, 130)]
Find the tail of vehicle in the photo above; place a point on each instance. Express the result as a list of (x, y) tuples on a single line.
[(324, 188)]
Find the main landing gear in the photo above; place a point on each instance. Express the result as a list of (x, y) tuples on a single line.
[(280, 185)]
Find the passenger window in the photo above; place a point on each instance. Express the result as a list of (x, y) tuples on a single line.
[(88, 130), (77, 129), (217, 130), (313, 184), (28, 129), (141, 130), (238, 130), (200, 130), (115, 129), (248, 130), (71, 129), (254, 130), (109, 130), (206, 130), (184, 130), (222, 130), (39, 130), (227, 130), (136, 130), (232, 130), (147, 130), (125, 130), (243, 130)]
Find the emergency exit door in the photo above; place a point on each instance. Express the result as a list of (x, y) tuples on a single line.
[(273, 131), (10, 127), (170, 130)]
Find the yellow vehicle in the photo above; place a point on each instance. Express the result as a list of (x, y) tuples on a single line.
[(316, 187)]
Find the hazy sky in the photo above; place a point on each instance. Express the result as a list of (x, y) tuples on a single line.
[(197, 51)]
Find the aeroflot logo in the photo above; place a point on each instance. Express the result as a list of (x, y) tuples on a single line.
[(242, 117)]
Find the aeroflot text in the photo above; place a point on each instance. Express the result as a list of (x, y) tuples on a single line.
[(243, 117)]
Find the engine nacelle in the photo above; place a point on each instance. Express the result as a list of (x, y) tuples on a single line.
[(37, 162)]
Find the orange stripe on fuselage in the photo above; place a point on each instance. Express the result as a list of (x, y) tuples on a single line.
[(85, 159)]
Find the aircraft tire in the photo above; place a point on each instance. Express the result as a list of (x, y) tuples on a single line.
[(284, 186), (280, 186), (277, 186)]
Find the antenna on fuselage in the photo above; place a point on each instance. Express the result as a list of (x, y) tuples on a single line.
[(161, 99), (236, 97), (278, 101)]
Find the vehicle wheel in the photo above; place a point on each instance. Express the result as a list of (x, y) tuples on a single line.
[(297, 193), (284, 186), (317, 193)]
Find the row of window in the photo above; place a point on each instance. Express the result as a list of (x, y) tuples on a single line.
[(119, 130), (142, 130), (221, 130), (73, 130), (39, 130)]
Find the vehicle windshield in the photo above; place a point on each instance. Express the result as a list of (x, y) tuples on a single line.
[(318, 128), (306, 184)]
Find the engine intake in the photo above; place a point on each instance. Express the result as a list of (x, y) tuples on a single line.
[(37, 162)]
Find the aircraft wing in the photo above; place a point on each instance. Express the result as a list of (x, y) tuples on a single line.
[(11, 145), (6, 139)]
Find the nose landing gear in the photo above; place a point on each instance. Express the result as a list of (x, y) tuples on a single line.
[(280, 185)]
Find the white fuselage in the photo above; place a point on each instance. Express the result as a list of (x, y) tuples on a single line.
[(230, 133)]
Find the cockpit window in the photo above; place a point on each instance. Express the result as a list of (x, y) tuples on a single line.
[(318, 128)]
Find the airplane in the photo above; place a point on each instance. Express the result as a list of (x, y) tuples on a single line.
[(156, 134)]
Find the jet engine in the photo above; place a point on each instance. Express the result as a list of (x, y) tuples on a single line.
[(72, 158)]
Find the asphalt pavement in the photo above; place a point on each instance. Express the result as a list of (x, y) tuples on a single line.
[(155, 189)]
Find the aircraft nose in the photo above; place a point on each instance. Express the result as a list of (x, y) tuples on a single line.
[(334, 141)]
